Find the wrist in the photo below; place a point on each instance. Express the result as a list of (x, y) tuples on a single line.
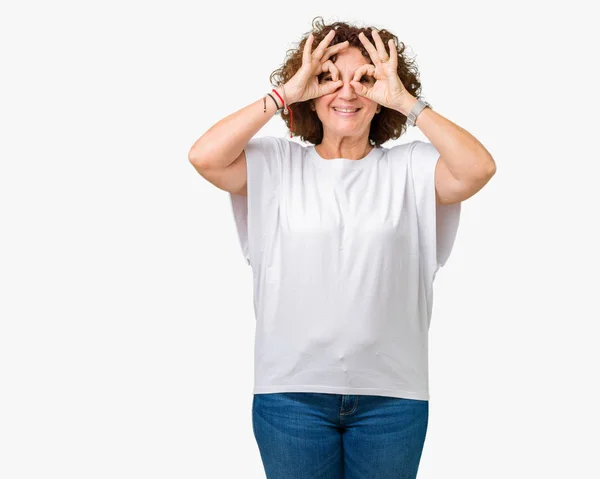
[(406, 105), (290, 98)]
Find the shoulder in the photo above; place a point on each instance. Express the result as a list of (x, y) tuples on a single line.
[(400, 155), (412, 149), (263, 145), (429, 172), (416, 149), (274, 156), (418, 159), (274, 147), (423, 152), (417, 156)]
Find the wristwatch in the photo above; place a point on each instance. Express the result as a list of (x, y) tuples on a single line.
[(416, 109)]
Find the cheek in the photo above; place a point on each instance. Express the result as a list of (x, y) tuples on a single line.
[(372, 107), (323, 101), (370, 104), (322, 107)]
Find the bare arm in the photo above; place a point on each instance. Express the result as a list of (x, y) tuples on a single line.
[(224, 142), (219, 156)]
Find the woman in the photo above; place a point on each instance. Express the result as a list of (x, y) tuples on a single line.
[(344, 238)]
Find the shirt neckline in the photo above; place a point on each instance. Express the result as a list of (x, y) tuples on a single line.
[(344, 163)]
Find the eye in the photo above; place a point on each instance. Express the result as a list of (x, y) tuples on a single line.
[(367, 78)]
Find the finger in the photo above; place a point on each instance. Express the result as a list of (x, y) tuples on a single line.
[(330, 67), (393, 54), (318, 53), (335, 49), (307, 49), (331, 86), (335, 72), (366, 69), (359, 88), (383, 55), (369, 47)]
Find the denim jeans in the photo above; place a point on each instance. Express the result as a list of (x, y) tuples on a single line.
[(334, 436)]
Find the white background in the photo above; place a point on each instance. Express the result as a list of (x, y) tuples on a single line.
[(126, 333)]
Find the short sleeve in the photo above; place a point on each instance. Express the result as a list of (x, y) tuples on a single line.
[(255, 214), (438, 224)]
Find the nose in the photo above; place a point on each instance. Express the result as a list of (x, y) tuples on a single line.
[(346, 91)]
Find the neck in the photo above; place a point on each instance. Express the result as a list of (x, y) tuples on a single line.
[(344, 148)]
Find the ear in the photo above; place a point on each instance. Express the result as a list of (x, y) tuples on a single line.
[(312, 105), (378, 109)]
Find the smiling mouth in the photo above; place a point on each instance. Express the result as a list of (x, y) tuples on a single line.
[(346, 113)]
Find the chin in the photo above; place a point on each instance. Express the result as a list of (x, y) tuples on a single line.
[(347, 129)]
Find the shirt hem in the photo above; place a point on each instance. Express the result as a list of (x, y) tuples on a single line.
[(396, 393)]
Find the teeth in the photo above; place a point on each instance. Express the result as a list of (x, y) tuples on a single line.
[(344, 110)]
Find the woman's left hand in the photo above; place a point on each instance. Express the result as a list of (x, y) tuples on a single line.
[(387, 90)]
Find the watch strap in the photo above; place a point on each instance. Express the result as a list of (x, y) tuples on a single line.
[(418, 107)]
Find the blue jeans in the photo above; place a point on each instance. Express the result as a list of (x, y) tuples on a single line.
[(334, 436)]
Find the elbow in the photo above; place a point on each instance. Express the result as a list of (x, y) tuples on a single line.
[(199, 156), (492, 168), (197, 153), (487, 167), (196, 157), (193, 159)]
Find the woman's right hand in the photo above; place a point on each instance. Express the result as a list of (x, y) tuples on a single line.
[(304, 85)]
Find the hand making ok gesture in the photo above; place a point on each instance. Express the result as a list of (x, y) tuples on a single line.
[(387, 90)]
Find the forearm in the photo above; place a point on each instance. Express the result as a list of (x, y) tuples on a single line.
[(463, 154), (224, 141)]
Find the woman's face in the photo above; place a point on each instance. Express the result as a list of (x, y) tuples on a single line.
[(344, 124)]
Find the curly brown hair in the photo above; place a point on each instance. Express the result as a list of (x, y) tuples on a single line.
[(387, 125)]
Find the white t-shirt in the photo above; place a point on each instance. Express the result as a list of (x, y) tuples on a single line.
[(344, 254)]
